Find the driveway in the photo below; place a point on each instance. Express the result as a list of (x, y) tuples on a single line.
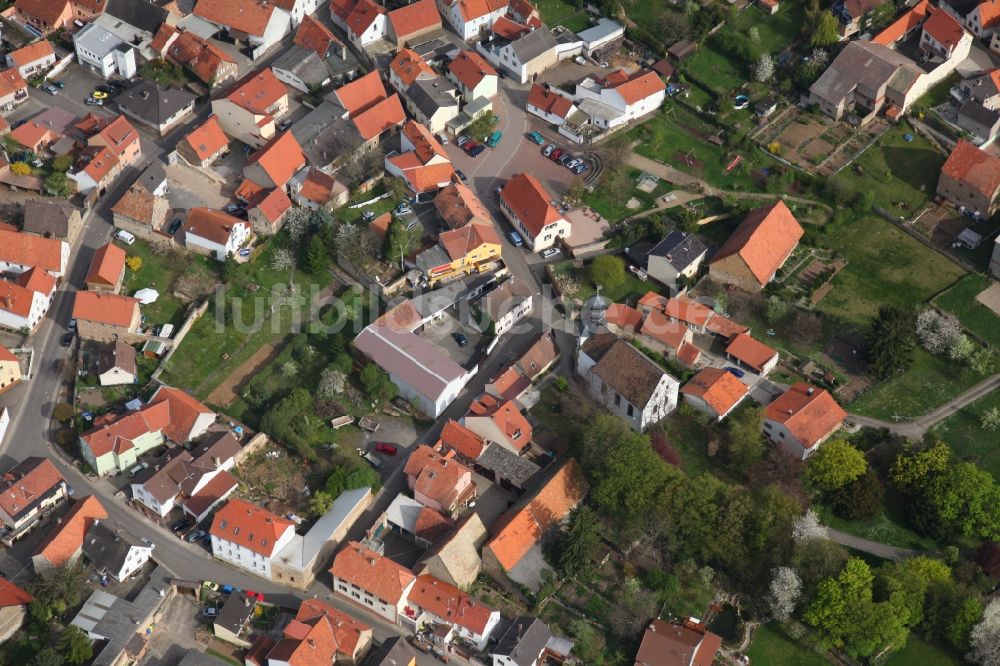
[(191, 187), (175, 633)]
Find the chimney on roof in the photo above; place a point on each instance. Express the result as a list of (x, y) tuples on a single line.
[(246, 601), (810, 390)]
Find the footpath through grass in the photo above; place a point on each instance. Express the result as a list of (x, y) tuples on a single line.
[(960, 300), (962, 431)]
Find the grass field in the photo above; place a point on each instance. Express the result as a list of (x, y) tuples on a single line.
[(630, 290), (776, 31), (160, 272), (608, 205), (216, 345), (716, 70), (896, 170), (348, 214), (557, 12), (961, 301), (885, 267), (887, 528), (772, 647), (919, 651), (930, 381), (665, 135), (969, 441)]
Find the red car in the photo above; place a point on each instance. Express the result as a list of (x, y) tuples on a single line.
[(556, 154), (385, 447)]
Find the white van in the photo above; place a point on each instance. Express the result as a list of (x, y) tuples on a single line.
[(124, 237), (138, 468)]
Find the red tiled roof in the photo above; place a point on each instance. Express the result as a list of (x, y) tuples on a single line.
[(345, 630), (409, 66), (460, 242), (372, 572), (249, 16), (24, 483), (667, 330), (250, 526), (163, 37), (221, 485), (450, 603), (105, 308), (32, 52), (12, 595), (102, 164), (416, 17), (380, 117), (717, 387), (763, 240), (66, 539), (342, 8), (725, 327), (506, 416), (37, 279), (318, 187), (8, 356), (473, 9), (11, 82), (639, 86), (689, 353), (524, 528), (274, 205), (943, 27), (114, 434), (470, 68), (28, 250), (688, 311), (119, 134), (437, 476), (257, 91), (315, 36), (184, 411), (137, 204), (750, 351), (509, 29), (974, 167), (213, 225), (457, 437), (508, 384), (15, 299), (208, 138), (808, 412), (623, 316), (904, 24), (525, 195), (548, 101), (361, 93), (666, 644), (424, 144), (48, 12), (200, 56), (458, 205), (280, 158), (362, 16), (989, 13)]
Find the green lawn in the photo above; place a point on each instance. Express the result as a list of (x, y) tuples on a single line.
[(716, 70), (772, 647), (938, 94), (690, 436), (160, 272), (666, 135), (266, 316), (961, 301), (888, 528), (885, 267), (969, 441), (897, 170), (929, 382), (630, 290), (611, 205), (557, 12), (348, 214), (919, 651), (776, 31)]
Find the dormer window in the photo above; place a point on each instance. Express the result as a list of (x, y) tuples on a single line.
[(236, 531)]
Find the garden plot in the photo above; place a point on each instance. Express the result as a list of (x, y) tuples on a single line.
[(817, 144)]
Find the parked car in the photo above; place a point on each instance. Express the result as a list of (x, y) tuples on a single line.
[(460, 339), (58, 84), (66, 340), (386, 448), (50, 89), (462, 140), (474, 152), (735, 372), (141, 467), (99, 94), (516, 239), (580, 60), (494, 139), (550, 252), (92, 101), (107, 89), (197, 535), (403, 209), (71, 327), (556, 154), (180, 525), (537, 138), (580, 168), (210, 612), (174, 226), (284, 124), (461, 176), (565, 158), (368, 216), (231, 208), (124, 237), (547, 150), (575, 162), (442, 139)]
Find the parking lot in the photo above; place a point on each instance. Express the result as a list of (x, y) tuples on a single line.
[(440, 331)]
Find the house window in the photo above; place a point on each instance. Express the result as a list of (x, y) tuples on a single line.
[(631, 411), (767, 426), (618, 400)]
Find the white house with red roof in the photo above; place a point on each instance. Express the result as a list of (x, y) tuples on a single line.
[(249, 537), (527, 205), (433, 601), (408, 23), (372, 581), (260, 24), (474, 76), (422, 162), (250, 111), (620, 97), (319, 634), (982, 18), (214, 233), (24, 302), (33, 58), (549, 105), (802, 418), (471, 18), (367, 23)]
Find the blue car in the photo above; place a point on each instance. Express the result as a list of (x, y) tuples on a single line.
[(474, 152), (516, 239), (735, 372)]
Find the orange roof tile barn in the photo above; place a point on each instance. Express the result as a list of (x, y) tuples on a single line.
[(762, 243)]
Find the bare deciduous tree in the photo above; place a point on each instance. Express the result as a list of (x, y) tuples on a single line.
[(283, 259), (764, 71), (331, 383), (937, 333)]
